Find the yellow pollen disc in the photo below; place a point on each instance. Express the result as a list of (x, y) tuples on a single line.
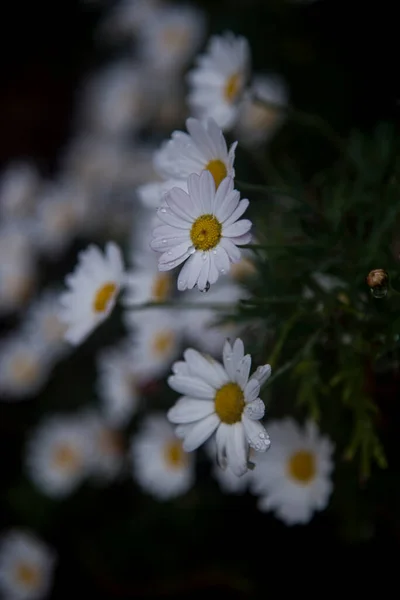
[(27, 575), (66, 458), (232, 88), (218, 170), (103, 296), (161, 289), (24, 369), (206, 232), (162, 342), (174, 454), (229, 403), (301, 466)]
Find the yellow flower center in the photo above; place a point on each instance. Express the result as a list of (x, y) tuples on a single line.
[(28, 575), (25, 369), (218, 170), (162, 343), (161, 289), (206, 232), (66, 458), (103, 296), (232, 88), (174, 454), (229, 403), (301, 466)]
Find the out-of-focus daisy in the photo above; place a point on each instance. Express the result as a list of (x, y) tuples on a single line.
[(17, 242), (202, 226), (127, 17), (118, 383), (171, 36), (17, 285), (262, 110), (157, 335), (116, 100), (294, 480), (222, 400), (94, 287), (61, 215), (58, 455), (171, 109), (218, 82), (146, 283), (24, 366), (42, 321), (19, 184), (106, 448), (200, 323), (26, 566), (160, 465)]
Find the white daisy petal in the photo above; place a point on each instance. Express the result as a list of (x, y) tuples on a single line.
[(255, 410), (237, 229), (236, 450), (243, 370), (191, 386), (187, 410), (252, 390), (256, 435), (210, 370), (237, 213), (200, 432), (261, 374)]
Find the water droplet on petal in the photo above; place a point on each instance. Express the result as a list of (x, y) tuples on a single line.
[(379, 292), (163, 210), (169, 253), (222, 271), (207, 287), (214, 252), (164, 241)]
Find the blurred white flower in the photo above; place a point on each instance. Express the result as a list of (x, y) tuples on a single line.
[(42, 321), (106, 448), (258, 121), (170, 109), (24, 366), (145, 283), (220, 399), (170, 37), (57, 455), (160, 466), (94, 287), (19, 184), (218, 82), (26, 566), (203, 226), (116, 100), (294, 480), (118, 384), (17, 285), (127, 17), (157, 335)]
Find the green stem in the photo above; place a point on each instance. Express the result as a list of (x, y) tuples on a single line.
[(291, 363)]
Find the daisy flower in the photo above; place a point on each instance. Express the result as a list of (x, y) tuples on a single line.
[(42, 321), (294, 480), (26, 566), (157, 336), (106, 447), (94, 287), (171, 36), (160, 465), (24, 366), (118, 384), (127, 18), (146, 283), (262, 110), (218, 82), (220, 399), (18, 281), (19, 184), (202, 226), (58, 455)]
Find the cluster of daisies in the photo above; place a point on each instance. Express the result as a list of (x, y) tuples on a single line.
[(173, 206)]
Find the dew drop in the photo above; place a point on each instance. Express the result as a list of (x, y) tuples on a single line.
[(192, 250), (222, 271), (207, 287), (169, 253), (379, 292), (182, 282), (214, 252), (164, 241), (163, 210), (204, 256)]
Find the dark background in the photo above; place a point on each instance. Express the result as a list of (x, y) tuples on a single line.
[(340, 59)]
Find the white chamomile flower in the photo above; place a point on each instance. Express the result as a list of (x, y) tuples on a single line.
[(17, 284), (61, 214), (26, 566), (202, 226), (118, 384), (94, 287), (294, 480), (106, 448), (127, 18), (58, 455), (160, 465), (146, 283), (42, 321), (19, 184), (262, 110), (116, 100), (222, 400), (157, 336), (218, 82), (17, 243), (24, 366), (171, 36)]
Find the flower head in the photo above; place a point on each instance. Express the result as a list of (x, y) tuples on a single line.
[(220, 399), (294, 481), (202, 226), (94, 287), (218, 82)]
